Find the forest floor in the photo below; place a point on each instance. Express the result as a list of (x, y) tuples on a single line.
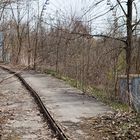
[(113, 126)]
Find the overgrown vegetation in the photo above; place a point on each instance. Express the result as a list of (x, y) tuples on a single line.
[(70, 49), (114, 126)]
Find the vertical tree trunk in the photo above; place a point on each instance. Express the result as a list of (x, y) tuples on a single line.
[(138, 58), (19, 37), (35, 49), (36, 38), (57, 53), (28, 36), (129, 43), (88, 58)]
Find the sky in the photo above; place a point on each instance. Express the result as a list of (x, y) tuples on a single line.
[(100, 17), (86, 11), (80, 9)]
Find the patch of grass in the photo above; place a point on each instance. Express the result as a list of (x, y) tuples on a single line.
[(70, 81), (98, 93), (73, 82), (104, 97), (119, 106), (51, 72)]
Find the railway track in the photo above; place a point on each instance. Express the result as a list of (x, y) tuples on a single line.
[(54, 126)]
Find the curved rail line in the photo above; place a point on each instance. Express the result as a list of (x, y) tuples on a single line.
[(57, 130)]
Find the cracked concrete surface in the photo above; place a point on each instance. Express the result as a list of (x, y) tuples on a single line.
[(67, 104)]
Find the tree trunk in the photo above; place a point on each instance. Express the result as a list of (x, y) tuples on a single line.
[(129, 44)]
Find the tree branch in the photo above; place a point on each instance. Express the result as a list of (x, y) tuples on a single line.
[(122, 8)]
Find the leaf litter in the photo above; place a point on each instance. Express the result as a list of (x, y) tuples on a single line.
[(113, 126)]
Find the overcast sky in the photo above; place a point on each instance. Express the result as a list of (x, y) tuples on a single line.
[(80, 8), (84, 10)]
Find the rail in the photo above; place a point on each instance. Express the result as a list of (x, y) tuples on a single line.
[(54, 126)]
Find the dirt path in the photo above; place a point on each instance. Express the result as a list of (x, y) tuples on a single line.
[(19, 115)]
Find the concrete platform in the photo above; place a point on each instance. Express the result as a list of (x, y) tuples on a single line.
[(66, 104)]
